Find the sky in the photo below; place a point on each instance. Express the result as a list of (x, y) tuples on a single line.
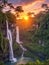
[(30, 5)]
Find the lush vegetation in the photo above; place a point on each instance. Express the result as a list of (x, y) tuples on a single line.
[(36, 39), (37, 62), (38, 47)]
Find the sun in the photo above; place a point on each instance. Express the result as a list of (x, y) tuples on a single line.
[(25, 17)]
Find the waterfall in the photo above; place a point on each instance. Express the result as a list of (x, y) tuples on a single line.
[(22, 54), (17, 35), (9, 36), (19, 42), (23, 49)]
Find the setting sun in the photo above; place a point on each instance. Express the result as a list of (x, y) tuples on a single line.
[(25, 17)]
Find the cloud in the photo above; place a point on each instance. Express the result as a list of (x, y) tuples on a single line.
[(34, 7), (23, 2), (29, 1)]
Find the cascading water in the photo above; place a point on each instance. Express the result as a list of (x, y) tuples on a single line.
[(9, 36), (17, 35), (22, 54), (18, 41), (23, 49)]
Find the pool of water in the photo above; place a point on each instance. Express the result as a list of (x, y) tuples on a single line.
[(9, 63), (25, 59)]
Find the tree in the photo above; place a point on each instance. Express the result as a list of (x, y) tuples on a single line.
[(19, 9), (45, 6), (4, 1)]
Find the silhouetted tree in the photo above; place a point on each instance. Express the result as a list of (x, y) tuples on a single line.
[(4, 1), (45, 6), (19, 9), (11, 6)]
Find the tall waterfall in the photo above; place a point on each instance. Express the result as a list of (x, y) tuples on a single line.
[(18, 41), (9, 36)]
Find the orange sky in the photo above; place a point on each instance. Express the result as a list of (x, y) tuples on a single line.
[(33, 7), (29, 5)]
